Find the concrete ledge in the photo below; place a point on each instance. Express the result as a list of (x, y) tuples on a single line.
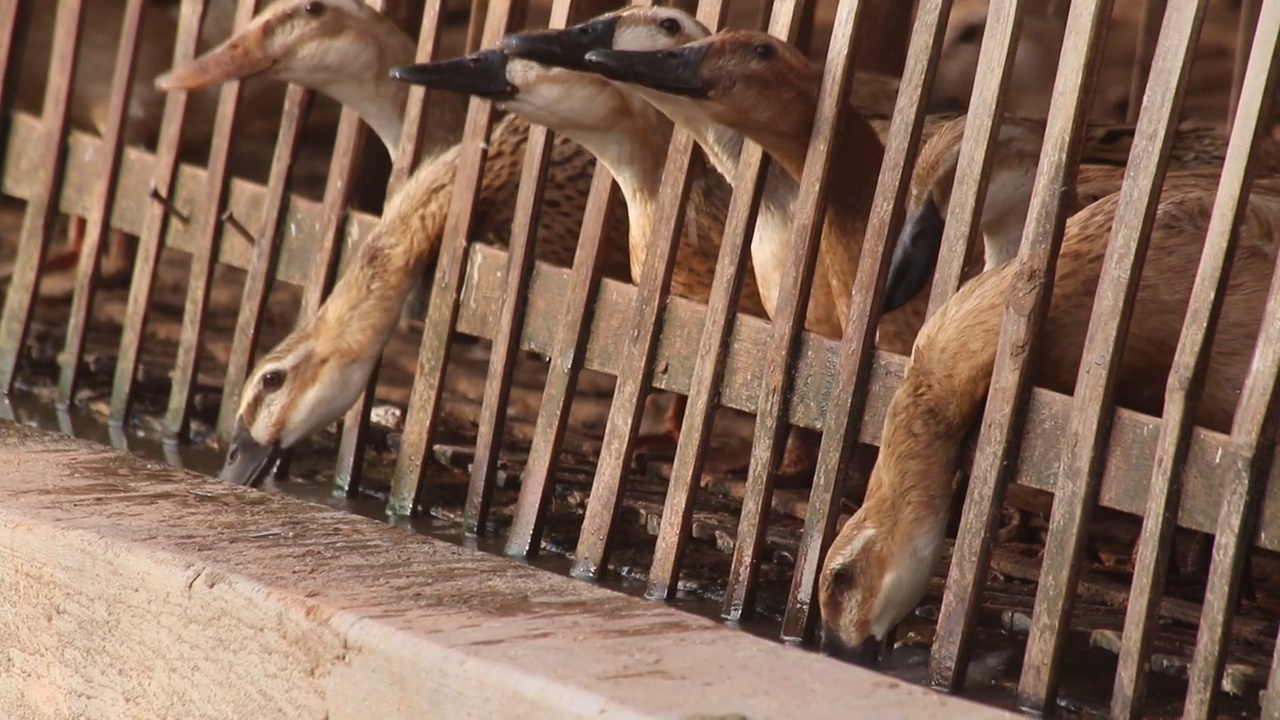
[(132, 590)]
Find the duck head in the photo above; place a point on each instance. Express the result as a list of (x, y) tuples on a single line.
[(303, 385), (1013, 163), (314, 43), (632, 28), (569, 102), (749, 81)]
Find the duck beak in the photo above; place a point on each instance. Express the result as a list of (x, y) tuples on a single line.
[(248, 461), (242, 56), (563, 48), (865, 654), (676, 72), (483, 74), (915, 256)]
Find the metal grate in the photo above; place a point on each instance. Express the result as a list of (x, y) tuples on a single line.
[(1084, 449)]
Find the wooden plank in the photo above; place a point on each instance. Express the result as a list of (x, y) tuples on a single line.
[(428, 384), (1245, 33), (203, 260), (968, 196), (37, 223), (151, 235), (1029, 294), (1087, 433), (808, 213), (844, 423), (1186, 383), (253, 301), (96, 224)]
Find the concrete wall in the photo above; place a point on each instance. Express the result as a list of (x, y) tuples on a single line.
[(131, 590)]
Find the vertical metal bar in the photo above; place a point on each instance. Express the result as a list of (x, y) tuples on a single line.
[(253, 301), (637, 364), (1253, 441), (808, 212), (1024, 314), (442, 311), (37, 224), (506, 339), (537, 482), (708, 373), (152, 238), (1148, 31), (857, 349), (1186, 377), (345, 164), (1270, 705), (1081, 464), (995, 60), (204, 257), (1245, 33), (104, 197)]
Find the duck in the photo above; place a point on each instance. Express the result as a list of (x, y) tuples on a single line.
[(879, 564), (630, 138), (346, 50), (1198, 151), (767, 90)]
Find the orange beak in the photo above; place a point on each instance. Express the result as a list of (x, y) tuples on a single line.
[(244, 55)]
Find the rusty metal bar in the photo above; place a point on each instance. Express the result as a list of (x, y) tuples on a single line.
[(1081, 465), (1186, 377), (253, 302), (995, 59), (97, 224), (345, 164), (1030, 291), (1250, 462), (37, 223), (150, 240), (637, 365), (1148, 32), (1246, 31), (428, 385), (808, 213), (203, 260), (843, 421), (506, 338), (708, 374), (567, 361)]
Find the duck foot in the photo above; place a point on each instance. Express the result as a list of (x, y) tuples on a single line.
[(799, 458), (669, 436)]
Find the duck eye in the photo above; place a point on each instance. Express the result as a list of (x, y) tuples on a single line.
[(764, 51), (670, 26), (314, 9), (273, 380), (842, 577)]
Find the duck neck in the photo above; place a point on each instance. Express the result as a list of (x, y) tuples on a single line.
[(634, 151), (379, 102), (931, 414)]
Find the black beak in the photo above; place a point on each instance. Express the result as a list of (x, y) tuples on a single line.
[(865, 654), (483, 74), (677, 72), (563, 48), (914, 257), (248, 461)]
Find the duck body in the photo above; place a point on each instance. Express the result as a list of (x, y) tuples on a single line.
[(879, 564)]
